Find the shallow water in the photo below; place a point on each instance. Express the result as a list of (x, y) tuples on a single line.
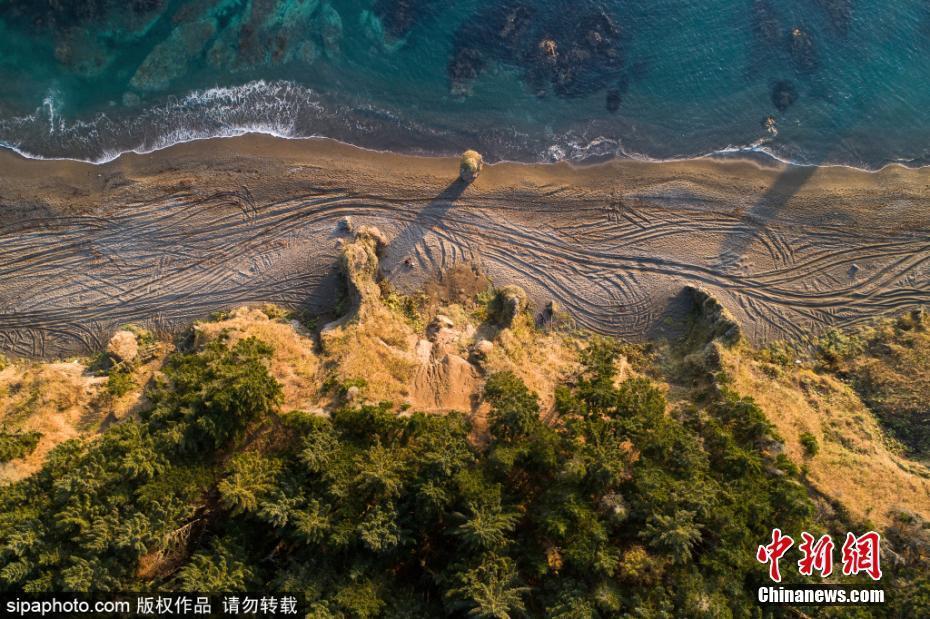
[(844, 80)]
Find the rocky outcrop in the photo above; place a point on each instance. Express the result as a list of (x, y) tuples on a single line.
[(508, 303), (470, 166), (713, 319), (359, 265), (447, 383), (123, 346), (553, 316), (711, 332), (481, 351)]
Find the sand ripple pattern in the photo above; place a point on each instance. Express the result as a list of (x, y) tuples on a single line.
[(615, 260)]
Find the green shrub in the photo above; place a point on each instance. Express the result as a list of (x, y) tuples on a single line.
[(514, 408), (834, 346), (120, 382), (14, 445), (810, 444), (619, 509), (211, 397), (410, 307)]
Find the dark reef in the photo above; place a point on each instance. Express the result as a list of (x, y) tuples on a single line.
[(569, 57), (614, 99), (803, 51), (765, 22), (839, 12), (399, 16), (784, 94)]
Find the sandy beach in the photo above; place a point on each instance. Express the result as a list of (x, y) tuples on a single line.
[(165, 238)]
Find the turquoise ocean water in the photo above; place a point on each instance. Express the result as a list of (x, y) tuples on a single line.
[(811, 81)]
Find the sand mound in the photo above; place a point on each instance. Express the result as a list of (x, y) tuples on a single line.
[(123, 346)]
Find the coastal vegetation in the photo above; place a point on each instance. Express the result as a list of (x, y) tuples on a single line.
[(887, 364), (632, 480), (16, 445)]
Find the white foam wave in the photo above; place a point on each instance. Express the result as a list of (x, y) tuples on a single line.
[(281, 109), (271, 108)]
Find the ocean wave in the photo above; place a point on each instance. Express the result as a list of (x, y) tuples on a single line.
[(577, 149), (285, 109), (272, 108)]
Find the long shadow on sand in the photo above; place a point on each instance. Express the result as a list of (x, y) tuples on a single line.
[(760, 214), (429, 216)]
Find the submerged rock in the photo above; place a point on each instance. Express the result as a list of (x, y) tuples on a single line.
[(329, 24), (464, 67), (765, 22), (371, 27), (840, 13), (169, 59), (131, 99), (571, 57), (82, 53), (374, 30), (784, 94), (399, 16), (308, 52), (614, 98), (802, 50), (267, 33), (124, 21)]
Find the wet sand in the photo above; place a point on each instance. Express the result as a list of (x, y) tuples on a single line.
[(166, 238)]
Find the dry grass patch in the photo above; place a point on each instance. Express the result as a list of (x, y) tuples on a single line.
[(855, 463), (539, 358), (889, 366), (375, 352), (294, 363), (56, 399)]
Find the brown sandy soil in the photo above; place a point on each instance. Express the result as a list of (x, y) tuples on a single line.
[(166, 238)]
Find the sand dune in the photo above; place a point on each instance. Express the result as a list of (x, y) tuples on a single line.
[(165, 238)]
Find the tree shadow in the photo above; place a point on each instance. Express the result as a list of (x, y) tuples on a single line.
[(760, 214), (431, 214)]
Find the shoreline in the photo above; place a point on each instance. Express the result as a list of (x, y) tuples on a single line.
[(760, 155), (264, 144), (168, 237)]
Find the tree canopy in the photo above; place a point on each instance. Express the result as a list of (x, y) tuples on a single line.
[(617, 508)]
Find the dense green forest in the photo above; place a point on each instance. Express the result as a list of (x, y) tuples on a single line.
[(614, 508)]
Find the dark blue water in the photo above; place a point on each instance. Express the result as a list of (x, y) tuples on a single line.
[(844, 81)]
